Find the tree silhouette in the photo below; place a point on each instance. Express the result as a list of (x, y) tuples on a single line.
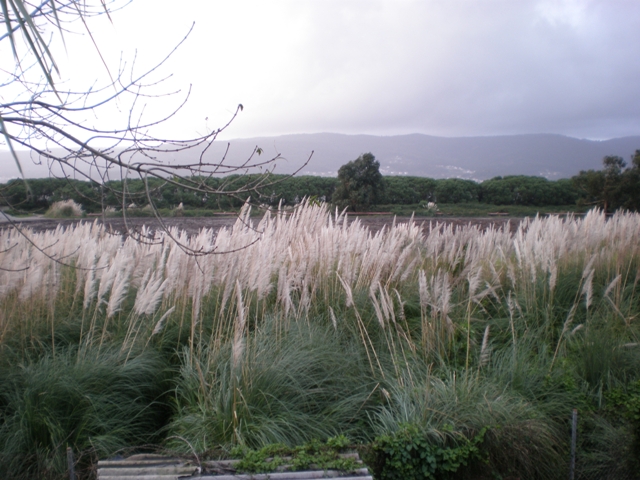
[(360, 183), (615, 186)]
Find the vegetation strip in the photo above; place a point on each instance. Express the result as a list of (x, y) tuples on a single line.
[(435, 351)]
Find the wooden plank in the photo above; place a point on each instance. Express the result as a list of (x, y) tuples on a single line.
[(147, 470), (157, 467), (362, 474), (146, 477), (128, 462)]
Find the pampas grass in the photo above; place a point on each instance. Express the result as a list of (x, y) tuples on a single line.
[(302, 264), (300, 384), (65, 209), (409, 306)]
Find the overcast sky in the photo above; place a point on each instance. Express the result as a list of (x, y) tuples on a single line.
[(452, 68)]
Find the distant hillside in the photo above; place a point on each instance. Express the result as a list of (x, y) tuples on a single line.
[(551, 156), (479, 158)]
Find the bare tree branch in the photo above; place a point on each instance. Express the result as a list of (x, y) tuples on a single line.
[(63, 127)]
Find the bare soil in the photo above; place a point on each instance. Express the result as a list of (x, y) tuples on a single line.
[(193, 225)]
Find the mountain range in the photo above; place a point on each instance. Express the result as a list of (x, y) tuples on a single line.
[(477, 158)]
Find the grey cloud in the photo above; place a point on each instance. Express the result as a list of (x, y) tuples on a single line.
[(464, 69)]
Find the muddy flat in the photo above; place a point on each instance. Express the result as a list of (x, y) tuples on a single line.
[(193, 225)]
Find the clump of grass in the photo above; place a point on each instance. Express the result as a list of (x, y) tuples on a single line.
[(605, 449), (518, 439), (604, 359), (95, 403), (65, 209), (178, 211), (288, 386)]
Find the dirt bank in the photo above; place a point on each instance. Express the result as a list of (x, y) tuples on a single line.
[(194, 224)]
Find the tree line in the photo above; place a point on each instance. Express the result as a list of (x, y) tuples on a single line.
[(358, 186), (616, 186)]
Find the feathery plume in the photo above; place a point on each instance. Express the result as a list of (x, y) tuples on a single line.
[(588, 268), (160, 324), (553, 275), (425, 299), (148, 299), (376, 307), (587, 288), (401, 304), (238, 335), (333, 318), (612, 285), (347, 290), (575, 329), (474, 282), (89, 288), (118, 292), (485, 351)]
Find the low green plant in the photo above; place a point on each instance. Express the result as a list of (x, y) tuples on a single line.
[(625, 402), (452, 407), (410, 454), (265, 459), (311, 455)]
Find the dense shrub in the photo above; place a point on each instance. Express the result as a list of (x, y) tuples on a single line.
[(394, 190), (405, 190), (615, 186), (411, 454), (524, 190), (456, 190)]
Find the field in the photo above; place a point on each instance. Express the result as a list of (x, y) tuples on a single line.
[(470, 342), (193, 225)]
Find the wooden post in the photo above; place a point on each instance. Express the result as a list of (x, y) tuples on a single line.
[(71, 464), (574, 436)]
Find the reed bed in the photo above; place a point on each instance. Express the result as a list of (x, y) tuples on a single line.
[(307, 325)]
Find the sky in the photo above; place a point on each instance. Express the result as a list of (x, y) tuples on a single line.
[(383, 67), (386, 67)]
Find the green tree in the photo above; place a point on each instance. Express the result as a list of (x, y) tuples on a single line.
[(360, 183), (456, 190), (612, 192), (631, 184), (526, 190), (613, 187), (406, 190), (590, 184)]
